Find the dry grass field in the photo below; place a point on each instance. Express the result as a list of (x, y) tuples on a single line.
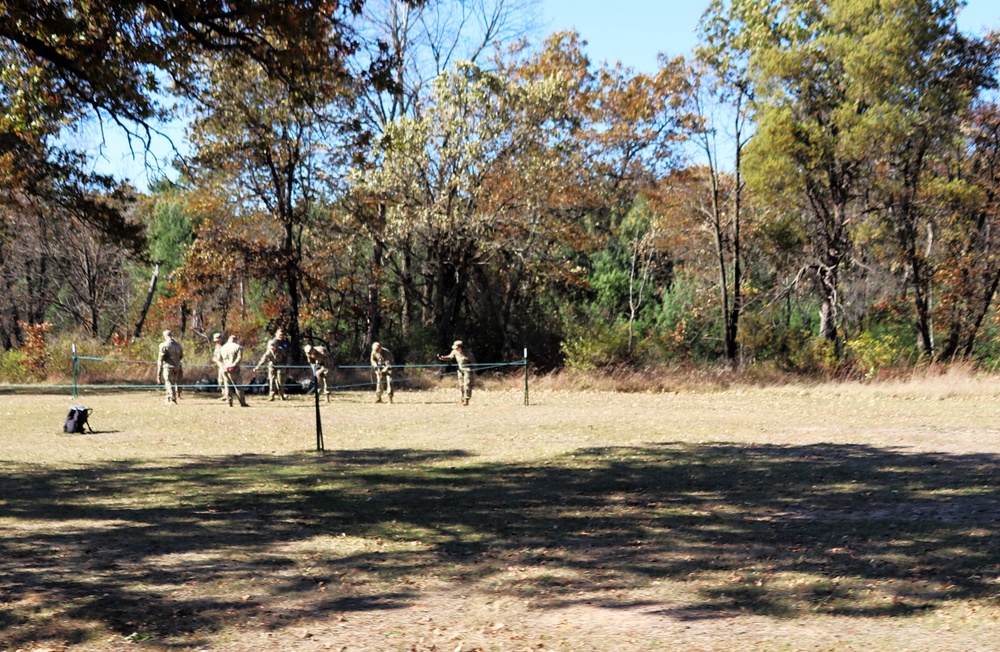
[(829, 517)]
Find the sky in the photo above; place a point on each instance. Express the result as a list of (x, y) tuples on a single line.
[(636, 31), (631, 31)]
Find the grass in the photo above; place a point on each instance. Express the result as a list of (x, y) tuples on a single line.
[(829, 517)]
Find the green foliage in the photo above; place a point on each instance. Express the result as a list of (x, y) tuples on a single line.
[(170, 230), (14, 368), (600, 343), (873, 352), (817, 355), (610, 281)]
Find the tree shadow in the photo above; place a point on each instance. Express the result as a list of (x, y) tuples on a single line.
[(164, 549)]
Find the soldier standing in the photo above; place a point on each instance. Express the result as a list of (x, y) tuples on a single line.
[(221, 370), (316, 355), (276, 357), (464, 361), (168, 362), (230, 356), (382, 364)]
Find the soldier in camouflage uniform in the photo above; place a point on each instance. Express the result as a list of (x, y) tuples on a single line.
[(217, 359), (230, 356), (464, 361), (276, 357), (316, 355), (382, 365), (168, 365)]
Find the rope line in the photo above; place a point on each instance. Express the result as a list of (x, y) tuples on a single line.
[(474, 365)]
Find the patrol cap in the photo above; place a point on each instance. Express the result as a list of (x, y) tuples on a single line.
[(279, 332), (457, 344), (376, 345), (167, 333), (307, 348), (217, 337)]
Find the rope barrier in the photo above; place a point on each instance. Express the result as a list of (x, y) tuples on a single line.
[(262, 385)]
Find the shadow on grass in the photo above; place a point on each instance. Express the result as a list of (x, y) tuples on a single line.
[(180, 550)]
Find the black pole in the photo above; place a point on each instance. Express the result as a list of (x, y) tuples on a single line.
[(319, 421), (525, 375)]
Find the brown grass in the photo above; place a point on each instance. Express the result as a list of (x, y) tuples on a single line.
[(841, 516)]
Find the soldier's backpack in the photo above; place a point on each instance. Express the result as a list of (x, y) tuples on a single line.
[(77, 419)]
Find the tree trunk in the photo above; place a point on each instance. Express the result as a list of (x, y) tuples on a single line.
[(149, 300), (374, 310)]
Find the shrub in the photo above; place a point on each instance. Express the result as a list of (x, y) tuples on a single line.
[(14, 367), (598, 344), (874, 353)]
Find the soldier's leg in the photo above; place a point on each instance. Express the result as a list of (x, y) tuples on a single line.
[(388, 386), (272, 383), (326, 390), (171, 381), (280, 378)]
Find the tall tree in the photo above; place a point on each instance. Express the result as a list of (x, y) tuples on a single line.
[(721, 97), (423, 41), (63, 62), (277, 154), (966, 200)]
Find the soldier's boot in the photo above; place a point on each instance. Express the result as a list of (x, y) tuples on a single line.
[(378, 399), (271, 397), (327, 397), (465, 401), (230, 401), (390, 399)]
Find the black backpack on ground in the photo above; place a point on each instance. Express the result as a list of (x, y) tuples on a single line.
[(77, 419)]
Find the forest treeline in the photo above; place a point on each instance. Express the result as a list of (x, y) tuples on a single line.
[(816, 187)]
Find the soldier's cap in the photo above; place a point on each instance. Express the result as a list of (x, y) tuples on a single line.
[(232, 338), (167, 333), (457, 344), (279, 333), (376, 345), (217, 337), (307, 348)]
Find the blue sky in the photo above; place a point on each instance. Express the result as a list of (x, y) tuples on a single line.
[(631, 31), (635, 31)]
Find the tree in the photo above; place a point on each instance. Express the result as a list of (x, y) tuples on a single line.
[(913, 95), (423, 42), (72, 61), (722, 93), (277, 157), (966, 197)]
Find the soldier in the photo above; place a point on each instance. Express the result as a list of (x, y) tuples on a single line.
[(276, 356), (230, 356), (168, 363), (464, 361), (217, 359), (316, 355), (382, 365)]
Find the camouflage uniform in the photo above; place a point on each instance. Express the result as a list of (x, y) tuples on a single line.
[(276, 357), (316, 355), (217, 359), (382, 364), (464, 361), (230, 356), (168, 363)]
